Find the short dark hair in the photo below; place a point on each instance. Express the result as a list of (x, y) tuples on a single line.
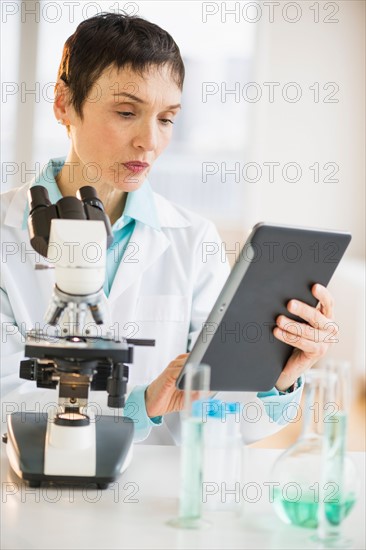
[(119, 40)]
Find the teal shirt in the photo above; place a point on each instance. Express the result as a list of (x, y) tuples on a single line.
[(140, 207)]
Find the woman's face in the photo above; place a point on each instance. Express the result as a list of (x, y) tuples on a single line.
[(127, 118)]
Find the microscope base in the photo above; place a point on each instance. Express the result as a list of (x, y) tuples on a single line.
[(26, 449)]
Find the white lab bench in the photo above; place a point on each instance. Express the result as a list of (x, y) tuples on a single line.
[(133, 512)]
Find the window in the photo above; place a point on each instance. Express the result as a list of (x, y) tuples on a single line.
[(211, 132)]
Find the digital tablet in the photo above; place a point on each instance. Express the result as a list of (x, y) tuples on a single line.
[(276, 264)]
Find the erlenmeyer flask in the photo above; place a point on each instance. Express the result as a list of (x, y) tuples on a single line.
[(297, 474)]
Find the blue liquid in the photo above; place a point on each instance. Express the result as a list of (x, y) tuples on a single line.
[(304, 512)]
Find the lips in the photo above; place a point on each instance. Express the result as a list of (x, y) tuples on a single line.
[(136, 165)]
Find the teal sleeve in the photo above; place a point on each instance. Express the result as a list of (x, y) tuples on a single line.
[(282, 407), (136, 410)]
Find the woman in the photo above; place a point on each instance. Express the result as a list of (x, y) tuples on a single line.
[(118, 92)]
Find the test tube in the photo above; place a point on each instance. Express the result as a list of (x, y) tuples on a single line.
[(196, 393)]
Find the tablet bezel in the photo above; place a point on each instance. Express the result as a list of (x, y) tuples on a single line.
[(323, 272)]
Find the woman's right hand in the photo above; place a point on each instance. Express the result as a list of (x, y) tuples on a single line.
[(162, 396)]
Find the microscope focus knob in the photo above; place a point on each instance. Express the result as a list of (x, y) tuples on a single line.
[(117, 386), (27, 369)]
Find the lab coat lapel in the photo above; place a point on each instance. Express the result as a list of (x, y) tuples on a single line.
[(146, 247)]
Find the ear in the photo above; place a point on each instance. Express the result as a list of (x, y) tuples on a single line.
[(61, 106)]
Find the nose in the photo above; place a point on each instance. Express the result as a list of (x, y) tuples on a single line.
[(146, 137)]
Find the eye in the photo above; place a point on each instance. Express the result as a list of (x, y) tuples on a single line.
[(125, 114), (166, 121)]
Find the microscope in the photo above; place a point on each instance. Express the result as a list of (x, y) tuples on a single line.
[(70, 443)]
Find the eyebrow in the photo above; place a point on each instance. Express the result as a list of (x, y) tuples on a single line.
[(139, 100)]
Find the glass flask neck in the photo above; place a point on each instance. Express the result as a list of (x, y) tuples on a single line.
[(319, 394)]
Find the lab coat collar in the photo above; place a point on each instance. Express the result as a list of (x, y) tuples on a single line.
[(149, 245), (170, 215), (140, 206), (47, 179), (15, 213), (18, 211)]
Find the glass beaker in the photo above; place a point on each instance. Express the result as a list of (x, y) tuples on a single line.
[(297, 475), (196, 394)]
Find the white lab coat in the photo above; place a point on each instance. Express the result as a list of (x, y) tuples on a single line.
[(164, 289)]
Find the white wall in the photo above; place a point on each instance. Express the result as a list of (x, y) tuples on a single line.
[(307, 132)]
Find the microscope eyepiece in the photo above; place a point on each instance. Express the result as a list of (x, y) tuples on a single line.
[(38, 197), (94, 209), (70, 208), (88, 195)]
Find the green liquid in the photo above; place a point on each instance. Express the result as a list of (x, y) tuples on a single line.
[(304, 512), (190, 503)]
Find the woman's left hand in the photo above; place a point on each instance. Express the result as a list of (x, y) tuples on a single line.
[(311, 339)]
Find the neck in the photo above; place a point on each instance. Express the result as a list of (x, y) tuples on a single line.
[(71, 178)]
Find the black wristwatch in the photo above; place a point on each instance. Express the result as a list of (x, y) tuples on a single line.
[(292, 388)]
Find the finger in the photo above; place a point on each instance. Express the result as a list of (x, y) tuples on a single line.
[(171, 373), (326, 302), (299, 329), (180, 360), (313, 316), (308, 346), (307, 331), (175, 365)]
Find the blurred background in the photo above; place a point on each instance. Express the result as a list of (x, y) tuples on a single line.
[(272, 126)]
